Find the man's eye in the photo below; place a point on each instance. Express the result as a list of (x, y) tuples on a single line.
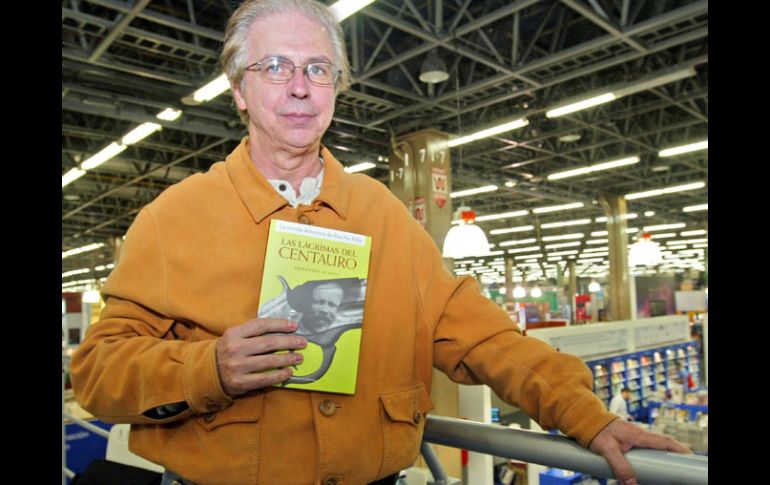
[(276, 68), (317, 69)]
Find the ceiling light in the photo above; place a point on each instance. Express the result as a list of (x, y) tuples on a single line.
[(564, 253), (666, 190), (599, 233), (433, 69), (345, 8), (694, 208), (91, 296), (81, 249), (570, 137), (209, 91), (678, 150), (528, 256), (698, 232), (663, 227), (554, 208), (536, 292), (562, 245), (510, 184), (594, 287), (649, 213), (139, 133), (512, 229), (597, 241), (524, 250), (360, 167), (663, 235), (71, 176), (576, 235), (594, 168), (580, 105), (74, 272), (105, 154), (502, 215), (495, 130), (478, 190), (169, 114), (519, 292), (465, 239), (644, 252), (516, 243), (576, 222)]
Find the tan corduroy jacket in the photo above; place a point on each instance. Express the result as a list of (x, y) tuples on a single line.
[(192, 260)]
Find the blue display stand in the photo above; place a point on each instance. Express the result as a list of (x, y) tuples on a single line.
[(83, 446), (554, 476)]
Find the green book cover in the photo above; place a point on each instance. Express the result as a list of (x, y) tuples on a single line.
[(317, 277)]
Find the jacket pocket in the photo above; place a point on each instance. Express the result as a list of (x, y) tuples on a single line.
[(242, 410), (403, 416)]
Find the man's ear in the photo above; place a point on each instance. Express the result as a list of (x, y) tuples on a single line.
[(240, 99)]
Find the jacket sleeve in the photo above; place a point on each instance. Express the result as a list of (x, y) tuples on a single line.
[(130, 367), (475, 342)]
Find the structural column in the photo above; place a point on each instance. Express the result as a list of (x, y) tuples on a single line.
[(572, 291), (421, 176), (615, 208)]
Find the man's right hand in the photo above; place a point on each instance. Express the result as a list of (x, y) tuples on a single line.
[(246, 358)]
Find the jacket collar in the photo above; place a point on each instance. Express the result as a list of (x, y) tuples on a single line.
[(262, 200)]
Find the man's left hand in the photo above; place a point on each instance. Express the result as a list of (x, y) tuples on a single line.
[(619, 437)]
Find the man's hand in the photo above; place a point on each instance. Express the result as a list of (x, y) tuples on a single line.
[(619, 437), (245, 353)]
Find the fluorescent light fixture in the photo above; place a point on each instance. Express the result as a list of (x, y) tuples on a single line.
[(169, 114), (512, 229), (595, 250), (663, 235), (580, 105), (591, 260), (597, 241), (554, 258), (345, 8), (212, 89), (502, 215), (678, 150), (677, 247), (564, 237), (524, 250), (688, 241), (632, 230), (554, 208), (564, 253), (694, 208), (562, 245), (698, 232), (649, 213), (599, 233), (496, 253), (594, 168), (71, 176), (536, 292), (516, 243), (140, 132), (663, 227), (495, 130), (81, 249), (700, 245), (655, 79), (528, 256), (666, 190), (577, 222), (478, 190), (360, 167), (105, 154), (601, 219), (74, 272)]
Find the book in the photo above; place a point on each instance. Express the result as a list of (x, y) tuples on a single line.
[(317, 277)]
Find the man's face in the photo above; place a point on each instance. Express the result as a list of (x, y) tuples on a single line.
[(323, 309), (294, 115)]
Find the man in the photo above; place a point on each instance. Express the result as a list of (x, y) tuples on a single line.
[(179, 354), (619, 406)]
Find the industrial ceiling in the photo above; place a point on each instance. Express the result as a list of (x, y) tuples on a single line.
[(123, 62)]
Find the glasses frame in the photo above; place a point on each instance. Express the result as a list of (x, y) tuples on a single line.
[(255, 67)]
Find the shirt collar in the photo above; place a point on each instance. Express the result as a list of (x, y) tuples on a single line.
[(262, 200)]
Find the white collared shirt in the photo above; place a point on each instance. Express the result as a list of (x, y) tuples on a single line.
[(308, 189)]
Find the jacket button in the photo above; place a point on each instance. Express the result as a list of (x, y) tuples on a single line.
[(209, 417), (331, 481), (303, 219), (417, 416), (328, 408)]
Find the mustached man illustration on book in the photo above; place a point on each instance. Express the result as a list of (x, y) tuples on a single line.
[(317, 277)]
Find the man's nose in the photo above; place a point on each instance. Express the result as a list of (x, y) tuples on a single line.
[(299, 84)]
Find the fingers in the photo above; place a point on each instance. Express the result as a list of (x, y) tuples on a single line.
[(261, 326), (661, 442), (620, 466)]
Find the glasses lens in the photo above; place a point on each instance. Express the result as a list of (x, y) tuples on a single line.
[(322, 73), (274, 69)]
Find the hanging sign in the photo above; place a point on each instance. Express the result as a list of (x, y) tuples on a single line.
[(439, 187), (419, 211)]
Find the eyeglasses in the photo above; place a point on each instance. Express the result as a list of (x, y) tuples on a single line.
[(278, 70)]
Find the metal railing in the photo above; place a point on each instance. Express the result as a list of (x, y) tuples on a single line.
[(652, 467)]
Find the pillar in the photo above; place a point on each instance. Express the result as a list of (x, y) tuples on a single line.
[(571, 291), (421, 177), (615, 208)]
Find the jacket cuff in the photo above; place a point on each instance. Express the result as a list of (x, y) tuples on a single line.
[(202, 387), (586, 418)]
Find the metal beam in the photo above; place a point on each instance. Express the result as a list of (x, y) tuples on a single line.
[(605, 24), (118, 29)]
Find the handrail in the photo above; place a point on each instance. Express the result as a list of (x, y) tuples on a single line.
[(652, 467), (90, 427)]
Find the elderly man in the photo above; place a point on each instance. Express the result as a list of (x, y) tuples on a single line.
[(180, 355)]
